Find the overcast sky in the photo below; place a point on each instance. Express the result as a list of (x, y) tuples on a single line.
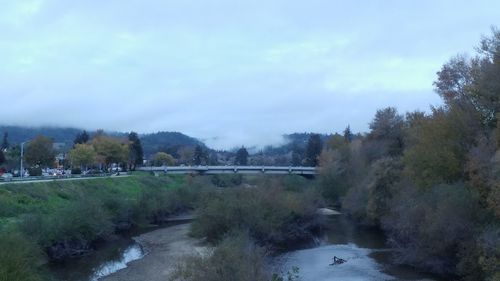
[(227, 72)]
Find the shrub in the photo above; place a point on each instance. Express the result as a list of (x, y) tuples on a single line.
[(19, 257), (120, 209), (369, 201), (227, 180), (386, 174), (156, 204), (235, 258), (355, 202), (271, 215), (66, 217), (69, 230), (429, 229), (490, 252), (341, 170), (76, 171)]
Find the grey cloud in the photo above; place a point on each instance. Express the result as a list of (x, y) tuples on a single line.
[(229, 72)]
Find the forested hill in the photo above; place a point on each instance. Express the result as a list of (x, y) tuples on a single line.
[(167, 142), (18, 134), (152, 143)]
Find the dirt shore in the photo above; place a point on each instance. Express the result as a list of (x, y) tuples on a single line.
[(165, 248)]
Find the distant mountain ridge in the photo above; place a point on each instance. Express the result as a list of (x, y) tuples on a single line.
[(18, 134), (160, 141), (169, 142)]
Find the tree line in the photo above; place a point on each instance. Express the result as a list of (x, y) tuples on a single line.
[(431, 181), (101, 151)]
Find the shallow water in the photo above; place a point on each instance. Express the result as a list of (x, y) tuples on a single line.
[(367, 255), (105, 260), (364, 249), (314, 264), (109, 257)]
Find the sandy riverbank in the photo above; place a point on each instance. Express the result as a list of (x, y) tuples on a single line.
[(165, 248)]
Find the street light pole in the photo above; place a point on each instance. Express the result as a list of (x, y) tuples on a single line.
[(22, 156)]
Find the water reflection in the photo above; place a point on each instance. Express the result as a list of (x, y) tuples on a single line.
[(107, 259), (365, 249), (132, 253), (316, 264)]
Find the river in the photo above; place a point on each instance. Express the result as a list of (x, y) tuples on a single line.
[(108, 258), (365, 251)]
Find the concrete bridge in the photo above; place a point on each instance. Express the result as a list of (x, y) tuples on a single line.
[(212, 170)]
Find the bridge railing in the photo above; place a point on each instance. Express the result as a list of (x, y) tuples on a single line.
[(232, 169)]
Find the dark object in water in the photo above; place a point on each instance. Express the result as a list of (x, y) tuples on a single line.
[(337, 261)]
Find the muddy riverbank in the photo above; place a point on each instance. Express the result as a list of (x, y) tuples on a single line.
[(164, 248)]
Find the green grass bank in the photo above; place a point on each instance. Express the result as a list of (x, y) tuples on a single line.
[(49, 221)]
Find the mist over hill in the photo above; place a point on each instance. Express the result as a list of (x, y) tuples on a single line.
[(152, 142)]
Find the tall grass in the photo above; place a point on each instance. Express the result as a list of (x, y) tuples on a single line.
[(19, 257)]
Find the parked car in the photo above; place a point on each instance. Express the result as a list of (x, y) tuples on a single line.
[(6, 176), (93, 172)]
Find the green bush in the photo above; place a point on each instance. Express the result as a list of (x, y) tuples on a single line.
[(271, 215), (489, 258), (431, 229), (156, 204), (66, 217), (76, 171), (69, 230), (227, 180), (369, 201), (19, 257)]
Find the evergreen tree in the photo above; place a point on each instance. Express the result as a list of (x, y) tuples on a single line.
[(296, 159), (297, 155), (213, 159), (2, 157), (241, 156), (313, 150), (200, 156), (348, 134), (5, 142), (81, 138), (136, 153)]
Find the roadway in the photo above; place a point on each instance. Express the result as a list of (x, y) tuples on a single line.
[(38, 179)]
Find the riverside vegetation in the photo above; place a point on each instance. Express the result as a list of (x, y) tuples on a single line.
[(249, 225), (431, 181), (50, 221)]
